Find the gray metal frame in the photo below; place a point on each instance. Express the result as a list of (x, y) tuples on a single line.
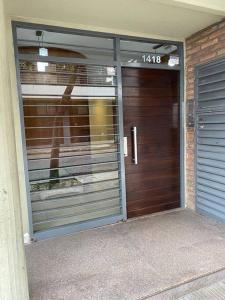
[(121, 132), (117, 62), (182, 129)]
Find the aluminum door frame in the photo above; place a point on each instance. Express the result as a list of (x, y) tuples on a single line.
[(119, 64)]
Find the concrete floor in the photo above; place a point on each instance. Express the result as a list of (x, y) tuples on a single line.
[(132, 260)]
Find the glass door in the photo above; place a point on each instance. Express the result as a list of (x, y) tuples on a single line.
[(72, 143)]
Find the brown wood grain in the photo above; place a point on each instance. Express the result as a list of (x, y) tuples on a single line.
[(151, 103)]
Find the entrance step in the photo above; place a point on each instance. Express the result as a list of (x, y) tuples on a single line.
[(210, 286), (214, 291)]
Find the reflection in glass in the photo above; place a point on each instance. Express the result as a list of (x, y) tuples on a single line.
[(90, 47), (70, 115), (149, 53)]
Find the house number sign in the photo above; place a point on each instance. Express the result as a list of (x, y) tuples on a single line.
[(151, 58)]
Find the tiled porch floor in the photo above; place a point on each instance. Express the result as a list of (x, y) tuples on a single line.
[(131, 260)]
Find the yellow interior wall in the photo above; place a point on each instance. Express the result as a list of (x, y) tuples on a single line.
[(98, 117)]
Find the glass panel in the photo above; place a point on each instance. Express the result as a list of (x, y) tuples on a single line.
[(30, 41), (71, 129), (149, 53)]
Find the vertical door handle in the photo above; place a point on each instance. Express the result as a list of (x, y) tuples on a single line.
[(134, 139), (125, 146)]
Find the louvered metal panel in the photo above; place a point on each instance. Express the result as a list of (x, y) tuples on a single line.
[(210, 137)]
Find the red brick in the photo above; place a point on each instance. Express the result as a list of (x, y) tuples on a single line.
[(209, 43), (222, 24), (194, 50), (202, 40), (221, 52), (217, 33), (208, 57)]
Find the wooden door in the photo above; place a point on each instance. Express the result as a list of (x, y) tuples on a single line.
[(151, 104)]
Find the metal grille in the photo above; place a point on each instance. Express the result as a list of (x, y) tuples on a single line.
[(211, 139), (71, 131)]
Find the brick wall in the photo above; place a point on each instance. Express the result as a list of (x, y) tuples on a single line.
[(204, 46)]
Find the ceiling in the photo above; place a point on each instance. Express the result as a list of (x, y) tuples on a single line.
[(148, 18)]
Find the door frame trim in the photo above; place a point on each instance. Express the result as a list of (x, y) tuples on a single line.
[(117, 62)]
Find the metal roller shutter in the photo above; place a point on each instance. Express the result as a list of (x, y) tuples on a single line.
[(210, 135)]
